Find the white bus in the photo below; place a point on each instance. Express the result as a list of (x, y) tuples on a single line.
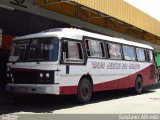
[(72, 61)]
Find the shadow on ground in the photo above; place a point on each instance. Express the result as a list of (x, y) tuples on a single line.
[(49, 103)]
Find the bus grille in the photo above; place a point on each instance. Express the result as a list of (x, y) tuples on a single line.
[(31, 77), (25, 77)]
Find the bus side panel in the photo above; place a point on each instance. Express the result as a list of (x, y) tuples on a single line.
[(121, 83), (106, 79), (149, 75), (69, 79), (68, 90)]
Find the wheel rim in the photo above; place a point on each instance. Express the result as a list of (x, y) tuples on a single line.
[(139, 85), (85, 91)]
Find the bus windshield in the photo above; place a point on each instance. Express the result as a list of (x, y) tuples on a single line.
[(35, 50)]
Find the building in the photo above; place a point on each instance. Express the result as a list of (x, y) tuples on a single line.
[(111, 17)]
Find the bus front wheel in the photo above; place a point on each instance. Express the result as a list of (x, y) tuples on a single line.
[(84, 91), (138, 85)]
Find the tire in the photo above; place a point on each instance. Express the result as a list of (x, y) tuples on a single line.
[(84, 91), (138, 85)]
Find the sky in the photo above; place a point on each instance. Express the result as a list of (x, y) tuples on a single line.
[(150, 7)]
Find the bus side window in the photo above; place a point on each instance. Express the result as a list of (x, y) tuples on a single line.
[(73, 52), (64, 50), (115, 51), (147, 55), (129, 52), (140, 54), (151, 56), (95, 48)]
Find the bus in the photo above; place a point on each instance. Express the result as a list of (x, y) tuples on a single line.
[(67, 61)]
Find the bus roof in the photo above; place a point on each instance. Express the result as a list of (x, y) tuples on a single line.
[(78, 34)]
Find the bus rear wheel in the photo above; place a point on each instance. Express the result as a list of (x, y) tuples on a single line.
[(84, 92), (138, 85)]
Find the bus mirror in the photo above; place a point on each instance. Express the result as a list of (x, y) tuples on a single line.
[(64, 56)]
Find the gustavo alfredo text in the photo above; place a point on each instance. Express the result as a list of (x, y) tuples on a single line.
[(139, 116)]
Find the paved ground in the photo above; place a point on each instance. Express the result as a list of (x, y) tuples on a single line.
[(119, 101)]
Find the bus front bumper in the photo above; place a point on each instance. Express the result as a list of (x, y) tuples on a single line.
[(33, 88)]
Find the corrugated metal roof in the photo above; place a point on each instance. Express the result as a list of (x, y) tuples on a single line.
[(116, 15), (123, 11)]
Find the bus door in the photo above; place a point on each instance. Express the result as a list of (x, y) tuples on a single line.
[(72, 60)]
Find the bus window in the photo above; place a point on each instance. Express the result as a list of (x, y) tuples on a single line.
[(35, 49), (73, 51), (150, 55), (18, 51), (140, 54), (114, 51), (43, 49), (128, 52), (147, 55), (95, 48)]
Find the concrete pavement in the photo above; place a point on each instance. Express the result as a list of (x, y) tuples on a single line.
[(109, 102)]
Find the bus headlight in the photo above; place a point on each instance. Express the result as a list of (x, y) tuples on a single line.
[(11, 75), (8, 75), (41, 75), (47, 75)]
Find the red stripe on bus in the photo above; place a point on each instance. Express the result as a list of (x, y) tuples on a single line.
[(122, 83), (68, 90)]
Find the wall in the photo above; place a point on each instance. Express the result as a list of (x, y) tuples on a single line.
[(6, 41)]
